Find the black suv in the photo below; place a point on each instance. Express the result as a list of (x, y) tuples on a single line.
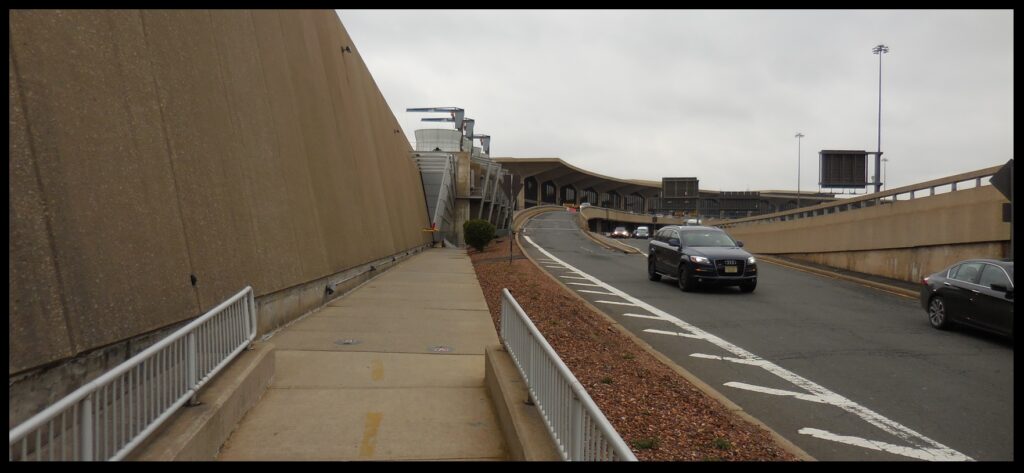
[(700, 255)]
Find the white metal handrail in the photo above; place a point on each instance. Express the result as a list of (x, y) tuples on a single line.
[(576, 424), (114, 413)]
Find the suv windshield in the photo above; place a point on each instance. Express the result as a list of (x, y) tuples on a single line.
[(707, 238)]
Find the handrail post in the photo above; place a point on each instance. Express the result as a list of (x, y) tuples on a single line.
[(85, 434), (192, 373), (576, 424)]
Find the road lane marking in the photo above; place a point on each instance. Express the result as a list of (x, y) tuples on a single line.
[(676, 334), (923, 445), (377, 370), (776, 392), (616, 303), (727, 358), (639, 316), (572, 277), (583, 284), (370, 428), (919, 453), (595, 292)]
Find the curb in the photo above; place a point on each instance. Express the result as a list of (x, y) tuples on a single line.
[(822, 272), (593, 237), (711, 392)]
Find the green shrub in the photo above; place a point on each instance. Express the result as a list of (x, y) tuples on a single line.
[(478, 233)]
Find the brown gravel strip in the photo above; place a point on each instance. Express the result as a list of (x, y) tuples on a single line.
[(660, 415)]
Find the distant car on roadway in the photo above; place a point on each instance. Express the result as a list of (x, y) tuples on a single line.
[(620, 232), (975, 292), (641, 232), (697, 255)]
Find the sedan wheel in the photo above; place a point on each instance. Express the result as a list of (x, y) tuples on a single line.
[(651, 273), (937, 313)]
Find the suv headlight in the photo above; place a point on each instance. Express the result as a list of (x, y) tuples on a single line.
[(751, 260), (700, 259)]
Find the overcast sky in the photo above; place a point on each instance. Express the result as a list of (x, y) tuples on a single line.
[(708, 93)]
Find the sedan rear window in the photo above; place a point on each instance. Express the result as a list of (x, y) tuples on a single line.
[(967, 272), (707, 239)]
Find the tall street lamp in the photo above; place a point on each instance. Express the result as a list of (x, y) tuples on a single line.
[(798, 136), (879, 50)]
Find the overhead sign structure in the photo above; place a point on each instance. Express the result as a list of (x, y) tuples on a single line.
[(678, 193), (843, 168)]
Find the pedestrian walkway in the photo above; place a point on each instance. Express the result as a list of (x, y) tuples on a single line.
[(393, 370)]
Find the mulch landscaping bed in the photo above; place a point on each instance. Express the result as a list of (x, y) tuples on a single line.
[(660, 415)]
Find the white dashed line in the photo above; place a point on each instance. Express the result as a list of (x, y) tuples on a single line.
[(933, 454), (776, 392), (582, 284), (924, 447), (639, 316), (615, 303), (676, 334), (727, 358), (595, 292), (572, 277)]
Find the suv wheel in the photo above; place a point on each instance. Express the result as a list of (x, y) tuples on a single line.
[(651, 273), (686, 283), (937, 313), (748, 286)]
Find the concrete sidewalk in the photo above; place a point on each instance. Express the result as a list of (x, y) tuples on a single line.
[(393, 370)]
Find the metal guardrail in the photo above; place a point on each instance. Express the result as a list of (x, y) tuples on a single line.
[(114, 413), (870, 200), (580, 431)]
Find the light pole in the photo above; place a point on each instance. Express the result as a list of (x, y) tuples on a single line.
[(798, 136), (879, 50)]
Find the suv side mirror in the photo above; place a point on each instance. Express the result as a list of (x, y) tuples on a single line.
[(673, 242), (739, 243)]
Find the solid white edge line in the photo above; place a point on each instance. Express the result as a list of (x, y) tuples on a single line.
[(869, 416)]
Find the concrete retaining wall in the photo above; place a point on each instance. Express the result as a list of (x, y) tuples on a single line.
[(904, 240), (148, 147)]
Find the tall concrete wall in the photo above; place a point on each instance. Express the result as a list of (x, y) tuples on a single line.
[(906, 239), (241, 147)]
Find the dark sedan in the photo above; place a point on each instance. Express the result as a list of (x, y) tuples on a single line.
[(977, 292), (700, 255)]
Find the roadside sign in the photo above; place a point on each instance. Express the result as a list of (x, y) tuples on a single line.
[(511, 184), (1002, 180)]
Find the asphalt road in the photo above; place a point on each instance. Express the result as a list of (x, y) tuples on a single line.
[(844, 371)]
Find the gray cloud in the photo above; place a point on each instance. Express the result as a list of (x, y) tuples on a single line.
[(713, 94)]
